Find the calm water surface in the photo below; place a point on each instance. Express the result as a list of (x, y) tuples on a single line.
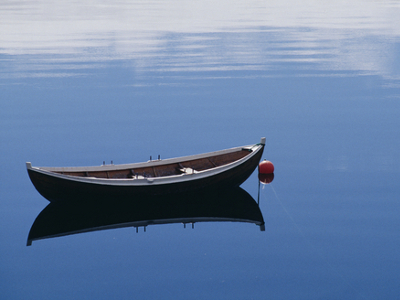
[(83, 83)]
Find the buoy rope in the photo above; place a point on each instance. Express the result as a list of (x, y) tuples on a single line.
[(321, 255)]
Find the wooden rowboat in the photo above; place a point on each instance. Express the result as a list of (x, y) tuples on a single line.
[(219, 169)]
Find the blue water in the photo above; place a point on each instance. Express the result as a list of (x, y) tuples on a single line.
[(124, 81)]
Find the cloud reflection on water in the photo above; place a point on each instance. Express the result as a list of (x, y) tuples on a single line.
[(198, 36)]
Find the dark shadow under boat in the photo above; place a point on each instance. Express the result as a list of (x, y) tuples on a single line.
[(77, 216)]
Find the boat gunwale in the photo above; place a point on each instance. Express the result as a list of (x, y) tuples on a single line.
[(150, 163)]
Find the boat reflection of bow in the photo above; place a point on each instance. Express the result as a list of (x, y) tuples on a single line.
[(65, 218)]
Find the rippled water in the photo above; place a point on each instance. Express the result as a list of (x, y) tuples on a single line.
[(83, 82)]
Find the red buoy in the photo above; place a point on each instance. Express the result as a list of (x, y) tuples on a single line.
[(265, 167), (266, 178)]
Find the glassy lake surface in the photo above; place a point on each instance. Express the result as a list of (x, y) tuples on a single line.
[(82, 83)]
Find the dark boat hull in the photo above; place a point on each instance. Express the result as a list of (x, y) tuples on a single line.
[(56, 189)]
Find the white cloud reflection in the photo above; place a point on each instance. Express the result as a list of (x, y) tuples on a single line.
[(202, 35)]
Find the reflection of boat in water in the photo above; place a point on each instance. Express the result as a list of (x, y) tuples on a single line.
[(71, 217), (225, 168)]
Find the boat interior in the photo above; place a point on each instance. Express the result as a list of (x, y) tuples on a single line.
[(168, 169)]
